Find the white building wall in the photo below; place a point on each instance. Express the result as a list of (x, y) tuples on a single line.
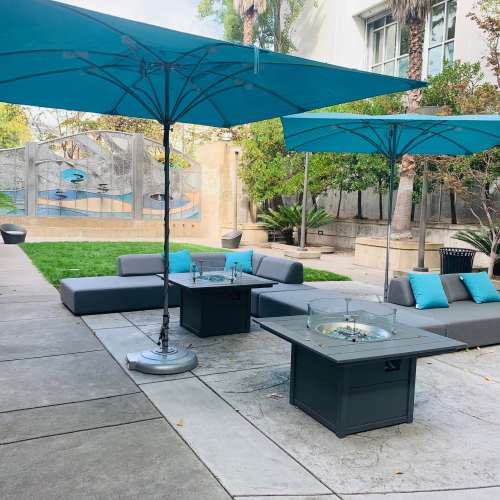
[(335, 32)]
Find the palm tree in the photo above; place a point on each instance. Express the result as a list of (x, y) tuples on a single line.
[(248, 10), (413, 14)]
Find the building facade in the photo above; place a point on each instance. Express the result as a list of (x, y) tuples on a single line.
[(362, 34)]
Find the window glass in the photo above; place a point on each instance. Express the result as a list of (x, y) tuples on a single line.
[(390, 42), (448, 51), (437, 23), (435, 60), (388, 46), (451, 20), (403, 67), (377, 46), (389, 68), (442, 34), (404, 40)]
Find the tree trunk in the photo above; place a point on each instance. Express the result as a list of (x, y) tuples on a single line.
[(248, 22), (493, 259), (340, 203), (278, 45), (412, 217), (359, 215), (380, 201), (453, 207), (402, 210)]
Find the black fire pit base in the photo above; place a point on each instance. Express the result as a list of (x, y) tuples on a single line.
[(351, 398), (355, 386)]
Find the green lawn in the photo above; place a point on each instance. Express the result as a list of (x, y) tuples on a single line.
[(58, 260)]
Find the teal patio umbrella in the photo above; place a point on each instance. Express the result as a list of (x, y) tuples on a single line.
[(60, 56), (391, 136)]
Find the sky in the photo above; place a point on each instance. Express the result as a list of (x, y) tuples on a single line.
[(181, 15)]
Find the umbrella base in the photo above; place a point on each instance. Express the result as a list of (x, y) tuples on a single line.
[(156, 362)]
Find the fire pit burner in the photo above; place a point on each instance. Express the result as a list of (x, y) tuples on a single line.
[(352, 331)]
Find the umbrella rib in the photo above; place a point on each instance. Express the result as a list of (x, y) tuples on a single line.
[(52, 72), (187, 79), (353, 131), (128, 91), (423, 137), (106, 25), (198, 100), (204, 47), (124, 86)]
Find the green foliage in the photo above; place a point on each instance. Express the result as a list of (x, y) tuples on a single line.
[(482, 240), (319, 275), (14, 129), (287, 218), (59, 260), (6, 202), (272, 30), (461, 88)]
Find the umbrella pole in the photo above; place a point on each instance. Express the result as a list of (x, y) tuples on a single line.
[(167, 359), (392, 165)]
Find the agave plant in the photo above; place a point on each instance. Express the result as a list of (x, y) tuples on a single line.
[(484, 240), (287, 218)]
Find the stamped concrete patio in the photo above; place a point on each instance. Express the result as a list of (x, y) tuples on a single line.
[(74, 423)]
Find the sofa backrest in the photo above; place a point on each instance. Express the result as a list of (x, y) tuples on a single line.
[(140, 264), (454, 288), (283, 270), (274, 268), (400, 291)]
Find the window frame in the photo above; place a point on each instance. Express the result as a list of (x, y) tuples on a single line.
[(370, 32)]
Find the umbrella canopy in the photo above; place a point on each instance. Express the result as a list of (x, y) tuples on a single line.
[(60, 56), (391, 136)]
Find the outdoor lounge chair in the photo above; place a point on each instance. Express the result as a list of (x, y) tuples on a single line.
[(12, 233)]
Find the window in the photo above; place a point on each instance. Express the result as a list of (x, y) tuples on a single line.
[(441, 35), (388, 46)]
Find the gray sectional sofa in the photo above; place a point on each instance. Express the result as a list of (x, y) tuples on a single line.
[(475, 324), (137, 286)]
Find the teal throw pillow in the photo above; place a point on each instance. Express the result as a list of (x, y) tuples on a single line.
[(242, 258), (179, 262), (480, 287), (428, 290)]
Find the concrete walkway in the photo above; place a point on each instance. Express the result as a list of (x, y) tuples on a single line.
[(74, 424)]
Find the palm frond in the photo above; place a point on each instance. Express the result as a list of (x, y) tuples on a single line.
[(481, 240), (243, 6), (406, 10)]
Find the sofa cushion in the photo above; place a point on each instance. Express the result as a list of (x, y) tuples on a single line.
[(243, 259), (104, 294), (475, 324), (140, 264), (427, 290), (400, 292), (480, 287), (257, 259), (291, 303), (454, 288), (179, 262), (283, 270), (257, 293)]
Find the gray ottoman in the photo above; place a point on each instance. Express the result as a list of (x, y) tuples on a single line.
[(105, 294)]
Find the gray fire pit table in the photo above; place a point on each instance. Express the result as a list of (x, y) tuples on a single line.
[(216, 307), (355, 386)]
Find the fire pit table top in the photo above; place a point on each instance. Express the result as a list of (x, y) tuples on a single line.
[(406, 342), (244, 281)]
